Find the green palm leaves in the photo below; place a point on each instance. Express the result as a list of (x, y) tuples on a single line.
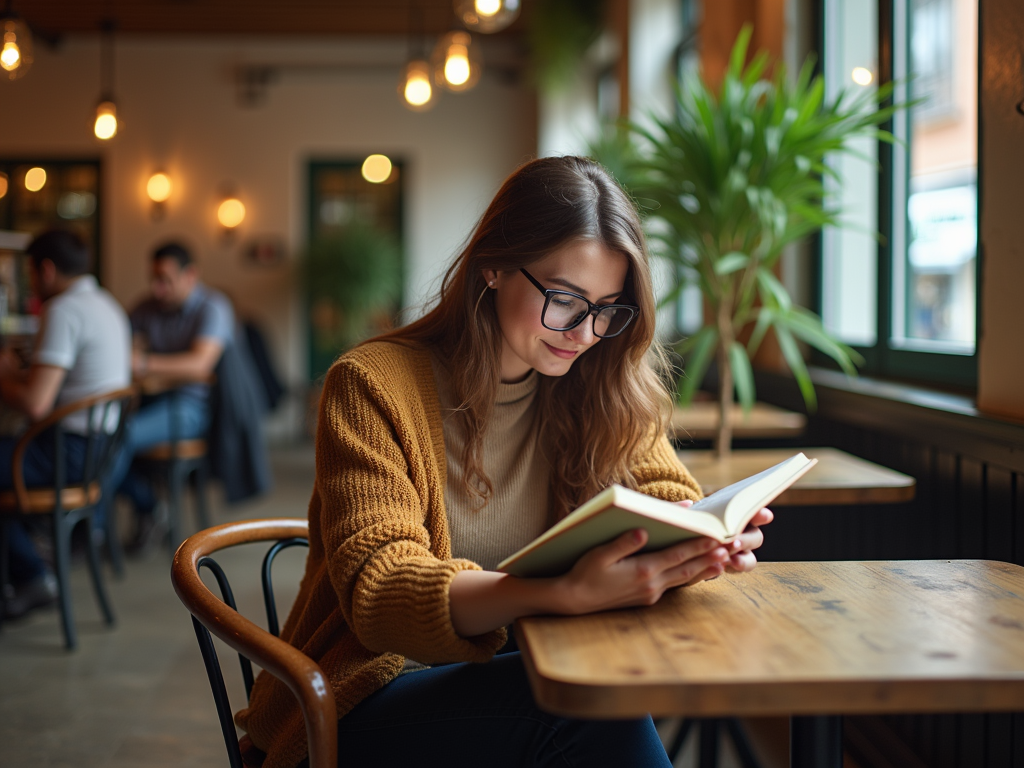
[(727, 185)]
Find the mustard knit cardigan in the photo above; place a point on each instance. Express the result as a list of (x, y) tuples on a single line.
[(375, 590)]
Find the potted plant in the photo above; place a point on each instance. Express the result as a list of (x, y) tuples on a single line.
[(726, 184), (353, 282)]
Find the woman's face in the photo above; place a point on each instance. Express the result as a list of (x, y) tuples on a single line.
[(586, 267)]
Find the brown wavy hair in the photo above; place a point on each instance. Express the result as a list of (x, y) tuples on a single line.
[(613, 401)]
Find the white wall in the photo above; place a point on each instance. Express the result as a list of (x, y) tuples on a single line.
[(177, 100)]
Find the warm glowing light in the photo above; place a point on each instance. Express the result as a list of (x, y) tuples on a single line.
[(862, 76), (105, 126), (486, 16), (456, 62), (15, 47), (10, 56), (487, 7), (231, 213), (3, 184), (456, 65), (418, 90), (415, 88), (377, 168), (35, 179), (158, 187)]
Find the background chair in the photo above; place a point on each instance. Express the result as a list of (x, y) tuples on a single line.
[(300, 673), (68, 504)]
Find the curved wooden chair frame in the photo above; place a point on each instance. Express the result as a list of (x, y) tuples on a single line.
[(211, 614), (70, 504)]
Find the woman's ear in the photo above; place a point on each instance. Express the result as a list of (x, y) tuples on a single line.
[(491, 277)]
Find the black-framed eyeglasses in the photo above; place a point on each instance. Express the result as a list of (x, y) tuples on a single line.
[(564, 310)]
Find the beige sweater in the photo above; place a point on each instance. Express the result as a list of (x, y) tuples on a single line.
[(375, 590), (517, 512)]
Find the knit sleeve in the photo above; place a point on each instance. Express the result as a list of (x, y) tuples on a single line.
[(392, 587), (660, 473)]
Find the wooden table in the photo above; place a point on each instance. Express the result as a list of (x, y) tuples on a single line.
[(814, 641), (699, 421), (839, 477)]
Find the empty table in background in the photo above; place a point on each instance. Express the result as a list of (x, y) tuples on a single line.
[(838, 478), (699, 421)]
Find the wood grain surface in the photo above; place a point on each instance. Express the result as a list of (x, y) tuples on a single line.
[(699, 421), (795, 638), (838, 478)]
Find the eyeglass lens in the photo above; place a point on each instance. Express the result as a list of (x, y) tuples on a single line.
[(564, 312)]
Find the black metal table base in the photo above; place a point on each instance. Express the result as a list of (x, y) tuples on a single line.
[(710, 736)]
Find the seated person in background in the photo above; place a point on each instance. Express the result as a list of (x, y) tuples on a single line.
[(83, 349), (180, 332)]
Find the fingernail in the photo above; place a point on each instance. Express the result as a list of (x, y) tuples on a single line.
[(638, 535)]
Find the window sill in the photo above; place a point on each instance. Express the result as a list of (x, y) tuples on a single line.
[(951, 422)]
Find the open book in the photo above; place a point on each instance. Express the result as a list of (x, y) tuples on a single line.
[(723, 515)]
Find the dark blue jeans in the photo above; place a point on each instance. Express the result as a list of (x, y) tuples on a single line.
[(179, 416), (25, 563), (472, 715)]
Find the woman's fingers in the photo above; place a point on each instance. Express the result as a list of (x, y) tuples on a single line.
[(742, 562), (617, 549), (762, 517)]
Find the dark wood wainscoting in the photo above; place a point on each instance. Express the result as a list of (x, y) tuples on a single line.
[(969, 504)]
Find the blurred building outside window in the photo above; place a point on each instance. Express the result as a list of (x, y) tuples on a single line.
[(931, 228)]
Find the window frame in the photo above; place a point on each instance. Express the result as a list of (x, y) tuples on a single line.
[(883, 359)]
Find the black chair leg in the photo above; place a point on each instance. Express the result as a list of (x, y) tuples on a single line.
[(96, 572), (175, 483), (114, 548), (62, 565), (202, 475), (5, 566)]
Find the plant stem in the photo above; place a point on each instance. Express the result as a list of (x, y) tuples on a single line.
[(723, 441)]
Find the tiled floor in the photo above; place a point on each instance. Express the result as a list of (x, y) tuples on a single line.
[(137, 695)]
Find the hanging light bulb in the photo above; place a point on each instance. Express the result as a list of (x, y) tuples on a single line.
[(15, 46), (105, 126), (487, 15), (456, 62), (415, 88)]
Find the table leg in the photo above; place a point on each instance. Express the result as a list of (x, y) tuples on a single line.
[(816, 742)]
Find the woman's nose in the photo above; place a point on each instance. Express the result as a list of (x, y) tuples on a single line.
[(584, 332)]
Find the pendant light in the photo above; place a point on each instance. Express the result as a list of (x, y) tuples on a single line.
[(487, 16), (106, 123), (15, 45), (415, 86), (456, 61)]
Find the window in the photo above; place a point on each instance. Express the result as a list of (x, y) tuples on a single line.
[(908, 301)]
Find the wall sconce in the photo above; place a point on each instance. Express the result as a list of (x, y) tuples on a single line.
[(456, 62), (3, 185), (158, 190), (16, 52), (230, 213), (105, 126), (35, 179), (377, 169), (487, 15)]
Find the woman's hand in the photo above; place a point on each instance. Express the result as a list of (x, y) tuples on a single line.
[(614, 576), (741, 549), (609, 576)]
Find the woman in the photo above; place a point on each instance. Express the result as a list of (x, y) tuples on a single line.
[(445, 446)]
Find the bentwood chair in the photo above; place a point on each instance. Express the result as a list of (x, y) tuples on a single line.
[(69, 501), (300, 673)]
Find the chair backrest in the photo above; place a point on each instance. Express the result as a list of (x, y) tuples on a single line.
[(300, 673), (101, 446)]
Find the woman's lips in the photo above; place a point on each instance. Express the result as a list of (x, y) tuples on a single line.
[(565, 354)]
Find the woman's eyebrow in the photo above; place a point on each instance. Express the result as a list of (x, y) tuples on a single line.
[(576, 289)]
